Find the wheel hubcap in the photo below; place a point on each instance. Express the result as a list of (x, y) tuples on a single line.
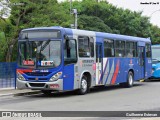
[(130, 79), (84, 85)]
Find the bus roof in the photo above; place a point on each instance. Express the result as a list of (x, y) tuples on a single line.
[(157, 45), (46, 28), (109, 35), (97, 34), (123, 37)]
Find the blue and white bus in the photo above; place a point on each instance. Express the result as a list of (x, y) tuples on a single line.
[(64, 59), (155, 62)]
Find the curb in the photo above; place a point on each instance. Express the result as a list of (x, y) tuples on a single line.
[(20, 94), (27, 93), (4, 89), (3, 95)]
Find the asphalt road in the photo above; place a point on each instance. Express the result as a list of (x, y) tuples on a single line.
[(143, 96)]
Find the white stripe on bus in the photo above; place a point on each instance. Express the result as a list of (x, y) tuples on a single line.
[(110, 74)]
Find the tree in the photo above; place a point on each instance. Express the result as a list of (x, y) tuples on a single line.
[(155, 34), (33, 13), (92, 23)]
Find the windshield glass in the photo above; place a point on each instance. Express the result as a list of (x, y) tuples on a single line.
[(155, 52), (40, 53), (40, 34)]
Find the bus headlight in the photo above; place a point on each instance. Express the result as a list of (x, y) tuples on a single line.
[(20, 77), (56, 76)]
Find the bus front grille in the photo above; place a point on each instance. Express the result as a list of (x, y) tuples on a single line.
[(34, 79), (37, 73), (37, 84)]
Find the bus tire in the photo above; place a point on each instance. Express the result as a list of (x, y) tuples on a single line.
[(46, 92), (84, 86), (130, 79), (129, 82)]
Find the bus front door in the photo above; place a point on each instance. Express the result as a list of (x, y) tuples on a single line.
[(99, 64), (141, 62)]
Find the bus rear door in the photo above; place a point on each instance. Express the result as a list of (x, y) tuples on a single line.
[(141, 60), (99, 63)]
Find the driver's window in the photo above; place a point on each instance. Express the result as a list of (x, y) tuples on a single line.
[(70, 51)]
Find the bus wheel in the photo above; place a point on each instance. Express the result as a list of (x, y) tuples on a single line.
[(46, 92), (84, 86), (129, 82), (130, 79)]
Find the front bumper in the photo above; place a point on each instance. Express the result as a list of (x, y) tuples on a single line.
[(55, 85)]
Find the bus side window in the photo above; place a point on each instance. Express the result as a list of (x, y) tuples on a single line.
[(84, 46), (130, 49), (119, 48), (135, 53), (92, 46), (108, 48), (70, 52)]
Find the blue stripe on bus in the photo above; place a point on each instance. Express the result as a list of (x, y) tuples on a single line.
[(68, 80)]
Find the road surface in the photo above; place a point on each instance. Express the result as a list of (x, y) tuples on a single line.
[(143, 96)]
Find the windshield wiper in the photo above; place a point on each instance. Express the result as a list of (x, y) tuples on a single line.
[(28, 45), (44, 46), (21, 54)]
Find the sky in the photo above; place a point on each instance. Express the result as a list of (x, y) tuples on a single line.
[(150, 10)]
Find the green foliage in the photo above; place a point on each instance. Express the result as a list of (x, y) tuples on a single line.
[(3, 46), (155, 34), (92, 23), (39, 13), (2, 37)]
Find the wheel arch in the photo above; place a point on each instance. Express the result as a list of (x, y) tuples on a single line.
[(89, 77), (131, 70)]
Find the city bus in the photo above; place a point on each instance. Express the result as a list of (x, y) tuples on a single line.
[(155, 62), (64, 59)]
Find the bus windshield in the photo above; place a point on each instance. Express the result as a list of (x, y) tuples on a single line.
[(155, 53), (40, 53)]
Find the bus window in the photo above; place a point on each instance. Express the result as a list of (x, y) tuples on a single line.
[(130, 49), (141, 56), (155, 51), (108, 48), (70, 52), (135, 53), (83, 46), (119, 48), (92, 46), (148, 50)]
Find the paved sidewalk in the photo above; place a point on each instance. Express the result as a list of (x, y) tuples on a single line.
[(13, 91)]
